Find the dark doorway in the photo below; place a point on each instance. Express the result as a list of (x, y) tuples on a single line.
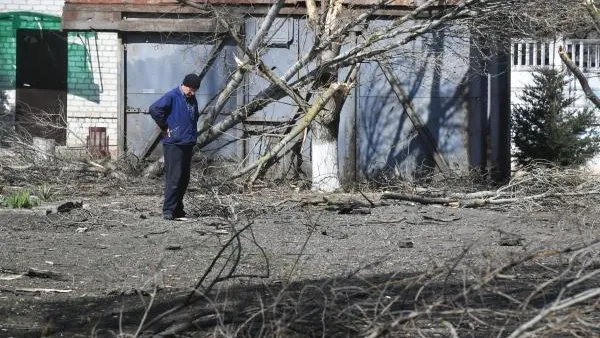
[(41, 107)]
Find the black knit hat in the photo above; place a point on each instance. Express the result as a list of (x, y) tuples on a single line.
[(192, 81)]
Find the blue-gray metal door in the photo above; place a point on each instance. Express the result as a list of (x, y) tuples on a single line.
[(156, 63), (434, 72)]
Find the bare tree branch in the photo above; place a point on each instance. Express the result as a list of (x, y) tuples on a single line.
[(312, 112), (275, 92), (589, 92)]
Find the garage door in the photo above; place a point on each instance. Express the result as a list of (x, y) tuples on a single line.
[(156, 63)]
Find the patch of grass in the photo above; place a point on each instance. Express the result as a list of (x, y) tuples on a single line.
[(45, 192), (19, 200)]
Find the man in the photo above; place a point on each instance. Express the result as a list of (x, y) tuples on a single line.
[(176, 113)]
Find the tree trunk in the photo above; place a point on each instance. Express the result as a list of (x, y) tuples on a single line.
[(325, 130), (324, 159)]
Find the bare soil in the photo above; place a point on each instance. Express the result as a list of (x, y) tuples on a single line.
[(91, 271)]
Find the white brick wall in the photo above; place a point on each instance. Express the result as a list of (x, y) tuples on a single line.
[(93, 104), (51, 7)]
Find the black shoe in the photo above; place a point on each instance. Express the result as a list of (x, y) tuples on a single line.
[(168, 217), (179, 214)]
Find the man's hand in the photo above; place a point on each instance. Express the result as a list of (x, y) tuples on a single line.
[(166, 132)]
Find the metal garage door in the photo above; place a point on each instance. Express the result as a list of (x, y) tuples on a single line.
[(156, 63)]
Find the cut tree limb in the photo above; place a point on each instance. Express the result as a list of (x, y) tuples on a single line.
[(363, 51), (208, 132), (589, 93), (312, 13), (303, 106), (591, 8), (557, 305), (418, 198), (480, 202), (273, 93), (43, 290), (483, 201), (45, 274), (252, 58), (34, 290)]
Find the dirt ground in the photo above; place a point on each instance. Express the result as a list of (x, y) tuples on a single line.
[(87, 263)]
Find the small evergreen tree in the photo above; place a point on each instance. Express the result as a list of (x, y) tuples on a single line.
[(544, 128)]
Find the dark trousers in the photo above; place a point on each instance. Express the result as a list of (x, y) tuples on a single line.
[(178, 162)]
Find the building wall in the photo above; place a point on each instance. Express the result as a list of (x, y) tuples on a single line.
[(50, 7), (92, 95), (14, 15), (93, 63), (8, 27), (8, 48)]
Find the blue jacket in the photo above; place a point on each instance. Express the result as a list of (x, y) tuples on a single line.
[(178, 114)]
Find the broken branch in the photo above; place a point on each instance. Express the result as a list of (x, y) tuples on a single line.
[(589, 93), (312, 112)]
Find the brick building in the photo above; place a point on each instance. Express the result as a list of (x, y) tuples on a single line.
[(70, 76)]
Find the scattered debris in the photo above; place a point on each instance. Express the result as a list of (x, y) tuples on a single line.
[(216, 222), (203, 232), (9, 276), (385, 221), (6, 274), (529, 188), (350, 210), (35, 273), (154, 233), (173, 247), (133, 291), (508, 239), (274, 205), (433, 218), (34, 290), (418, 198), (68, 206), (334, 234), (81, 230), (407, 244)]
